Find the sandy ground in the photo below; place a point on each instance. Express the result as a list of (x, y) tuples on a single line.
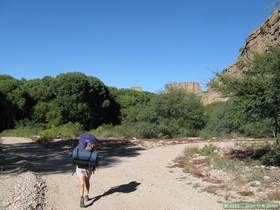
[(129, 177)]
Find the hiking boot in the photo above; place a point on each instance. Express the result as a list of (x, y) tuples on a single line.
[(86, 198), (82, 203)]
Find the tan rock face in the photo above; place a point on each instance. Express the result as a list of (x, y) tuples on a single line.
[(188, 87), (136, 88), (265, 37)]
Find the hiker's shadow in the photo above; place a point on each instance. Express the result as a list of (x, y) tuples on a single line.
[(124, 188)]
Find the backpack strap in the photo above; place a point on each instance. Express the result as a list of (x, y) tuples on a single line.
[(92, 166), (78, 153), (90, 155)]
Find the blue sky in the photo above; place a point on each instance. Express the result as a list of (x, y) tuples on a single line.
[(126, 43)]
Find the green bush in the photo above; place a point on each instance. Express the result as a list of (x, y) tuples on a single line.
[(147, 130), (130, 101), (168, 115), (107, 131), (255, 96), (188, 169), (26, 131), (224, 120), (69, 130), (113, 131), (48, 114), (50, 133), (220, 122), (272, 158), (190, 151), (225, 164), (69, 97), (208, 150)]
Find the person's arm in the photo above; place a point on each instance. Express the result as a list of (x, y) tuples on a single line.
[(90, 147)]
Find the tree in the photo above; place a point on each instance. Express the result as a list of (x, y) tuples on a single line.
[(7, 114), (84, 99), (257, 93), (223, 119), (129, 100), (69, 97), (19, 100), (167, 115), (41, 90)]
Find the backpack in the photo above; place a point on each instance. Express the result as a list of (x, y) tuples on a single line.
[(86, 139), (81, 156)]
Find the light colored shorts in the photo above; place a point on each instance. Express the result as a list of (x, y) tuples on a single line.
[(83, 172)]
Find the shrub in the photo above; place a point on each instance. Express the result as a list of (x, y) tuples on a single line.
[(188, 169), (219, 121), (69, 130), (208, 150), (50, 133), (272, 157), (190, 151), (146, 130), (224, 120), (108, 130), (255, 95), (167, 115), (26, 131), (225, 164)]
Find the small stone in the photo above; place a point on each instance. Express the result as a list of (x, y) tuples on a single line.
[(255, 183)]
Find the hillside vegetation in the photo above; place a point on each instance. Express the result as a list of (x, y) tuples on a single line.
[(65, 105)]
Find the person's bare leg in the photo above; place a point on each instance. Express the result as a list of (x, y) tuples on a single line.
[(87, 186), (82, 190), (82, 185)]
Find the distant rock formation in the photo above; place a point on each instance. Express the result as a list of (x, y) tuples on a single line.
[(265, 37), (136, 88), (188, 87)]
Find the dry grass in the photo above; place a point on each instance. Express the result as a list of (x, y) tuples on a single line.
[(256, 174), (239, 181), (238, 165), (190, 151)]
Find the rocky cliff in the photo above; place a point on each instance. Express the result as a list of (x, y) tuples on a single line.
[(265, 37), (188, 87)]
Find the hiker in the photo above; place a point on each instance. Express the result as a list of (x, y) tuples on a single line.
[(87, 142)]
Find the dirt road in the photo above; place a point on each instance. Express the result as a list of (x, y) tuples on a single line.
[(129, 177)]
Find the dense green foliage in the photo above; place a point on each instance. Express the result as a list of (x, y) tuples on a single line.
[(48, 102), (46, 106), (256, 95), (272, 157), (68, 103), (15, 103), (223, 121), (130, 100), (169, 115), (165, 115)]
